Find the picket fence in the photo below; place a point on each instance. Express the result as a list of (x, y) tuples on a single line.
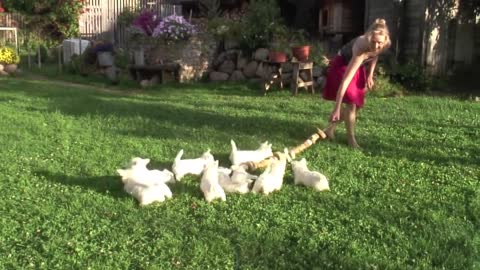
[(100, 19)]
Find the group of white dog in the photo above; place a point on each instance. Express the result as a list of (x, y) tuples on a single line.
[(149, 186)]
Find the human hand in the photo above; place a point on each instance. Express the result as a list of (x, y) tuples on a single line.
[(370, 82), (335, 115)]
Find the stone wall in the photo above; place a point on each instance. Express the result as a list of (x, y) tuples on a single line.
[(200, 57), (232, 65), (194, 56)]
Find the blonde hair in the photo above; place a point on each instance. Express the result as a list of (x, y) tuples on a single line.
[(379, 27)]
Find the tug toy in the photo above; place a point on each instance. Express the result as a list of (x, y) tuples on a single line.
[(289, 154)]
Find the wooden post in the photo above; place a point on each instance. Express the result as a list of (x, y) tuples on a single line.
[(16, 40), (39, 57), (29, 58), (80, 45), (60, 58)]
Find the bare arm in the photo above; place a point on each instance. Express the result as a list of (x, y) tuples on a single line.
[(371, 70), (352, 67), (372, 66)]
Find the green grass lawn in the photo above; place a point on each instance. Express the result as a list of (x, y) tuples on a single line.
[(409, 200)]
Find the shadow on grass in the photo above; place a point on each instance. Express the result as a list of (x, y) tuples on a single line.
[(113, 186), (108, 185), (166, 115), (418, 150)]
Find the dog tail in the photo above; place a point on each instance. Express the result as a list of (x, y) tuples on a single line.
[(179, 155), (234, 146)]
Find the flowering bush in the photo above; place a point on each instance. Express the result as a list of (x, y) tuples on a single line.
[(146, 21), (9, 56), (174, 28)]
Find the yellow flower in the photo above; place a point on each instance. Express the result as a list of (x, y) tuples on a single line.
[(8, 56)]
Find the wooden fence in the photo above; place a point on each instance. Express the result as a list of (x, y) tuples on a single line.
[(10, 20), (100, 17)]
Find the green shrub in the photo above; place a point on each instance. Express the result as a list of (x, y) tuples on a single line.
[(258, 25), (9, 56), (384, 87)]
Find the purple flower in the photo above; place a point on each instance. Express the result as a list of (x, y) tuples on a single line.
[(174, 28), (147, 21)]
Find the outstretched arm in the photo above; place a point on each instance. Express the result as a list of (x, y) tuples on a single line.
[(352, 67)]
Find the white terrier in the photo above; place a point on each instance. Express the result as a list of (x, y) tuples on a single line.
[(241, 156), (148, 194), (138, 172), (209, 184), (303, 176), (190, 166), (272, 178), (147, 186), (239, 182)]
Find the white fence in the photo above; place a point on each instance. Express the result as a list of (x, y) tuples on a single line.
[(100, 19)]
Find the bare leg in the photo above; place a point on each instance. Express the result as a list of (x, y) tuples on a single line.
[(350, 119), (330, 130)]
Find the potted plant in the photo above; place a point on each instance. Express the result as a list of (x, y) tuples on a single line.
[(172, 32), (104, 51), (9, 59), (279, 44), (299, 45), (278, 52)]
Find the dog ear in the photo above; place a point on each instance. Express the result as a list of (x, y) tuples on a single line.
[(304, 161)]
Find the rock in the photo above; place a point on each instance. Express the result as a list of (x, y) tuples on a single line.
[(250, 70), (3, 73), (1, 67), (112, 73), (216, 76), (241, 62), (219, 59), (261, 71), (145, 83), (237, 75), (261, 54), (227, 66), (11, 68)]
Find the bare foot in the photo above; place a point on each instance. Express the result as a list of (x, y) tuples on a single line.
[(353, 144)]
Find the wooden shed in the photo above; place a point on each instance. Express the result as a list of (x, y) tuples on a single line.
[(341, 17)]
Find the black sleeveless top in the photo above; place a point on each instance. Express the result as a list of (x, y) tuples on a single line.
[(347, 52)]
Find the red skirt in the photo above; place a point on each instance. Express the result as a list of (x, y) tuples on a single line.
[(355, 93)]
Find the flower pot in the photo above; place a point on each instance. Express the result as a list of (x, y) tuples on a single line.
[(10, 68), (277, 57), (105, 59), (301, 52)]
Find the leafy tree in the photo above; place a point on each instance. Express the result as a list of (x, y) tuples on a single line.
[(54, 18)]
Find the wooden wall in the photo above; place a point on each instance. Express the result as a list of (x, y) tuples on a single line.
[(413, 27)]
